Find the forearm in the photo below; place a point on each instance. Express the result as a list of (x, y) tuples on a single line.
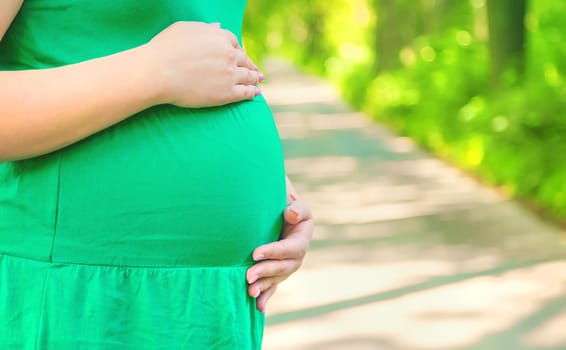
[(8, 10), (44, 110)]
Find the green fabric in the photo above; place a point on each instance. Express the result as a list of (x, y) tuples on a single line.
[(139, 236)]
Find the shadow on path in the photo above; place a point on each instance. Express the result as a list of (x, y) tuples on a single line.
[(391, 294), (409, 253)]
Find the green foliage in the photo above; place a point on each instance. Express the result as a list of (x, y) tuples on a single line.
[(317, 36), (440, 94)]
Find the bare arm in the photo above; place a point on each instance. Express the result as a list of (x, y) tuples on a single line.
[(8, 10), (44, 110)]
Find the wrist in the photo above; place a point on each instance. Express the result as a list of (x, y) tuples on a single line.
[(152, 75)]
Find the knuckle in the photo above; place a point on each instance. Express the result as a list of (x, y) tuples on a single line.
[(230, 70), (251, 77), (247, 93), (302, 252), (283, 269), (255, 77), (252, 92), (273, 281), (225, 97), (273, 285), (230, 54), (266, 283), (231, 95)]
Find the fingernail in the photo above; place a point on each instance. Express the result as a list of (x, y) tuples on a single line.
[(253, 279), (261, 76), (257, 92), (294, 211), (292, 196), (259, 257), (257, 294)]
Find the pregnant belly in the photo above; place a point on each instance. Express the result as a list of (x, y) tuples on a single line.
[(173, 187)]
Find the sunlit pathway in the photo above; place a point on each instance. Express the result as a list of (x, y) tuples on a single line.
[(409, 253)]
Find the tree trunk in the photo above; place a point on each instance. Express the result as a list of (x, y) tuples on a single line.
[(506, 22), (398, 23)]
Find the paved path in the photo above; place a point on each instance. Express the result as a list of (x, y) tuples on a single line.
[(409, 253)]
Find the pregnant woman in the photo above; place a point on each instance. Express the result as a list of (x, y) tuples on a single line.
[(141, 177)]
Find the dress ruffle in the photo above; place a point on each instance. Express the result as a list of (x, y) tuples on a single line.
[(78, 306)]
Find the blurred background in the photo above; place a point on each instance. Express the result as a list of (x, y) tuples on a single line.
[(484, 89), (428, 136)]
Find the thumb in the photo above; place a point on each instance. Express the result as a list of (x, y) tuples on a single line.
[(296, 212)]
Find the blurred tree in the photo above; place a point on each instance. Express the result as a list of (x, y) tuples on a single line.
[(424, 66), (438, 15), (314, 17), (506, 22), (398, 23)]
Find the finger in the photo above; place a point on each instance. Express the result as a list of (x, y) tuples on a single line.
[(254, 290), (246, 76), (294, 246), (296, 212), (243, 60), (244, 92), (232, 38), (291, 191), (261, 303), (272, 268)]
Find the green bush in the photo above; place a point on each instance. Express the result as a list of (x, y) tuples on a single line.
[(440, 94)]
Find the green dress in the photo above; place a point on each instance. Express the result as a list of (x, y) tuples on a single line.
[(138, 237)]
